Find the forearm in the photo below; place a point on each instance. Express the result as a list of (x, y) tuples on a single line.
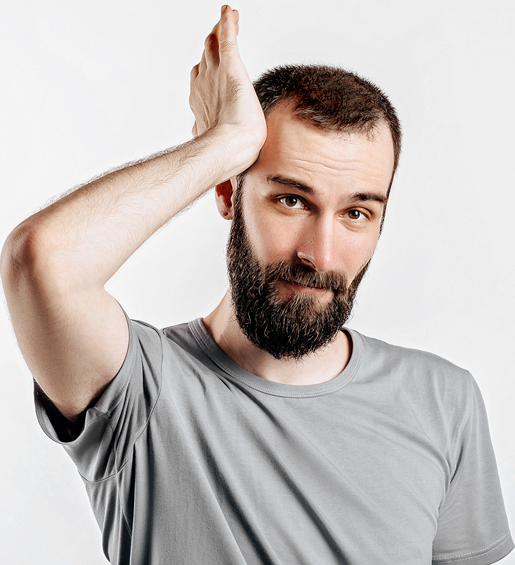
[(87, 235), (73, 334), (79, 242)]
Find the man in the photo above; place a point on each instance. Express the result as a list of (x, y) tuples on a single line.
[(266, 432)]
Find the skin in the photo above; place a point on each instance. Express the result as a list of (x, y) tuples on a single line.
[(315, 198), (54, 265), (72, 333)]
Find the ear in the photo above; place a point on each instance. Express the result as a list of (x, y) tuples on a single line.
[(225, 198)]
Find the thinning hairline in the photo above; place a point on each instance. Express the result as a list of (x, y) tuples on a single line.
[(367, 128)]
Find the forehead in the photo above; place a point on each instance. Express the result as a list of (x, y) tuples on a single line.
[(326, 160)]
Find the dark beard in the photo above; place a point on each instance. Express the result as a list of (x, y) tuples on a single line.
[(286, 329)]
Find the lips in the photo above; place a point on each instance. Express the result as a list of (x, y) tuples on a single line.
[(302, 279), (305, 289)]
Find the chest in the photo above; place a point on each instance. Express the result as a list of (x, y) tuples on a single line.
[(333, 470)]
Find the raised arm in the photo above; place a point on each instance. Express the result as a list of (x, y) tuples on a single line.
[(54, 265)]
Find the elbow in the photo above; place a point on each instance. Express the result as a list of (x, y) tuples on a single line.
[(23, 253)]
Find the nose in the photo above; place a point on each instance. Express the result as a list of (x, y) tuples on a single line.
[(318, 244)]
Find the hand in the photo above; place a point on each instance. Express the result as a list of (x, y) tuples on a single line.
[(222, 97)]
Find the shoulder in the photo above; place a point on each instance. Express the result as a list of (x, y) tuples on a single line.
[(152, 340), (393, 355), (419, 373)]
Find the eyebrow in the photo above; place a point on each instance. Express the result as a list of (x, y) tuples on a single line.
[(356, 197)]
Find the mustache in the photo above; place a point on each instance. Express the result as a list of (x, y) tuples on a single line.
[(305, 276)]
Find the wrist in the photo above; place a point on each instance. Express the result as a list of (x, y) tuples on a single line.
[(235, 149)]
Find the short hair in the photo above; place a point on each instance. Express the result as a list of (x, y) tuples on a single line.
[(330, 98)]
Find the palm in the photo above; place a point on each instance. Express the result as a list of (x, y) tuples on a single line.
[(222, 95)]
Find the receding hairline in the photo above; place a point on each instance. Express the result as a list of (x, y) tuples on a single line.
[(370, 130), (330, 98)]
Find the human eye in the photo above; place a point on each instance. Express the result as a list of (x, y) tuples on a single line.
[(356, 215), (293, 202)]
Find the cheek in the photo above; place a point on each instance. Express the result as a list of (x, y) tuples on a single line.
[(272, 240), (355, 251)]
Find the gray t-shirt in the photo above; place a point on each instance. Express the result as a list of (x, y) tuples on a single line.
[(190, 460)]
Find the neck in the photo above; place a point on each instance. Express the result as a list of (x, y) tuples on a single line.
[(321, 366)]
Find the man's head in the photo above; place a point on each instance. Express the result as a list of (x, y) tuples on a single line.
[(331, 99), (307, 215)]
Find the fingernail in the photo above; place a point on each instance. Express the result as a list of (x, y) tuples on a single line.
[(224, 7)]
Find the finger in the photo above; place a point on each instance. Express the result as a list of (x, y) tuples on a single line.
[(194, 130), (237, 21), (228, 30), (210, 54), (194, 72), (203, 63), (236, 15), (230, 15)]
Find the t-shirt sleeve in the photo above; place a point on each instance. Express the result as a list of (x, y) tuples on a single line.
[(112, 425), (472, 525)]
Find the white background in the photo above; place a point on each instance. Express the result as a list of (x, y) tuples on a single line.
[(87, 86)]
